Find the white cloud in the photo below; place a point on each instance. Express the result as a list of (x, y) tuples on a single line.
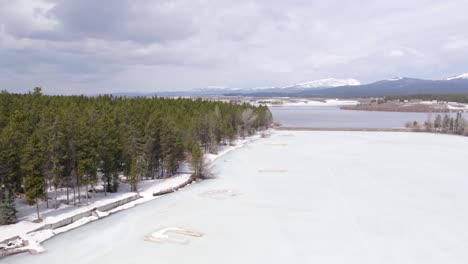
[(28, 16), (182, 44), (457, 42), (396, 53)]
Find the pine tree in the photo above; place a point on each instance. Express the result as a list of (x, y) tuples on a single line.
[(197, 160), (458, 123), (11, 174), (445, 123), (152, 146), (134, 174), (133, 150), (172, 148), (87, 162), (109, 148), (11, 147), (7, 207), (56, 155), (33, 167), (438, 122)]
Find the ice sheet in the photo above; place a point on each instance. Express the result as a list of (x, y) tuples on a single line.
[(342, 197)]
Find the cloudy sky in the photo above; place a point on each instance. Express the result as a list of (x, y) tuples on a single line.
[(89, 46)]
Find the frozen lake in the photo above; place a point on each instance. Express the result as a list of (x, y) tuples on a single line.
[(299, 197), (334, 117)]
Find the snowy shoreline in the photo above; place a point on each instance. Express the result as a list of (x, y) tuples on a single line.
[(27, 236)]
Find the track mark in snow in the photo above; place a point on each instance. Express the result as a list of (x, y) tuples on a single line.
[(278, 144), (273, 170), (220, 194), (162, 235)]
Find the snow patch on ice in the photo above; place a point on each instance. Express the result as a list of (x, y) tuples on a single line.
[(162, 235)]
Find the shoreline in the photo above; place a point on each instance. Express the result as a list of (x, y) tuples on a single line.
[(400, 109), (291, 128), (338, 129), (30, 240)]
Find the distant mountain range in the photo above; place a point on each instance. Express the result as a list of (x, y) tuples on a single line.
[(396, 86), (338, 88), (325, 83)]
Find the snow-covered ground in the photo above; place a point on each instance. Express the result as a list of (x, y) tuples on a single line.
[(298, 197), (26, 214), (305, 102), (457, 106), (453, 106)]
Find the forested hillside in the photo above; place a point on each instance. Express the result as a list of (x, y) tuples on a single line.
[(72, 142)]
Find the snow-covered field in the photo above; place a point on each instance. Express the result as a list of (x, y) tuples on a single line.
[(298, 197), (457, 106)]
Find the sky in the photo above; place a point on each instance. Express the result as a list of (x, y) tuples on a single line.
[(89, 46)]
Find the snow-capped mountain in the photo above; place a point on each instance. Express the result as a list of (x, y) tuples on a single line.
[(336, 88), (395, 79), (461, 76), (325, 83)]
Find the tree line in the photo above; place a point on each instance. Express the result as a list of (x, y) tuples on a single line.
[(459, 98), (442, 124), (74, 142)]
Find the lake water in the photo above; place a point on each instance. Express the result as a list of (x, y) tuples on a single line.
[(334, 117), (299, 197)]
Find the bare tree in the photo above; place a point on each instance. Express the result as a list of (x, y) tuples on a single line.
[(248, 118), (200, 165), (206, 170), (268, 119)]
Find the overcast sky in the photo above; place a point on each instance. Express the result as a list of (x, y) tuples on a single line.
[(89, 46)]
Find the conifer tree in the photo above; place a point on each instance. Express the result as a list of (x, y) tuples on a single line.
[(56, 155), (109, 148), (134, 174), (34, 175), (10, 168), (438, 122), (87, 161), (197, 160), (7, 207), (152, 146)]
